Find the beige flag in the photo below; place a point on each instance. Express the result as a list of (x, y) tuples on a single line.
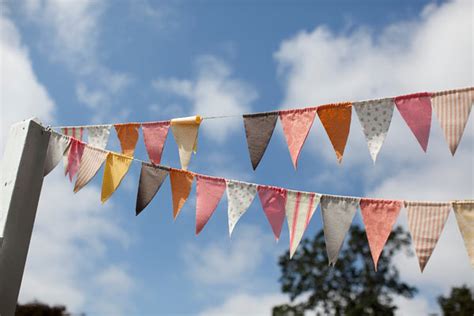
[(185, 133), (91, 161), (464, 211)]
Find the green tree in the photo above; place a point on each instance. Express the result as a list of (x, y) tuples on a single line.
[(352, 286), (459, 303), (39, 309)]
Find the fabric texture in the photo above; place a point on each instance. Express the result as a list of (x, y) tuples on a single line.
[(74, 132), (98, 136), (426, 222), (181, 183), (151, 179), (76, 149), (375, 118), (273, 201), (299, 208), (239, 197), (379, 217), (464, 211), (296, 126), (452, 109), (92, 160), (209, 191), (336, 120), (155, 135), (185, 133), (338, 213), (416, 111), (258, 131), (116, 167), (128, 137), (57, 146)]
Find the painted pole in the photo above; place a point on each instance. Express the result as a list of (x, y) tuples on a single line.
[(21, 178)]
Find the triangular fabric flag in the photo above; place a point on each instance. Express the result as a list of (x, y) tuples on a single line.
[(57, 146), (209, 191), (452, 109), (296, 125), (375, 117), (116, 167), (273, 201), (464, 211), (336, 119), (239, 197), (426, 222), (128, 136), (258, 131), (299, 208), (416, 111), (181, 183), (92, 160), (379, 217), (76, 149), (185, 133), (74, 132), (151, 179), (338, 213), (98, 136), (154, 135)]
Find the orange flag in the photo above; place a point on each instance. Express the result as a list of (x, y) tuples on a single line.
[(336, 119), (128, 136), (181, 183)]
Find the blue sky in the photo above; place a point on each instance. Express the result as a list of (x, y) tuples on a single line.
[(77, 62)]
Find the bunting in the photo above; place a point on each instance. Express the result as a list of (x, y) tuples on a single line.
[(426, 221), (181, 183), (92, 160), (239, 197), (116, 167), (375, 118), (151, 179), (74, 132), (209, 191), (296, 126), (464, 211), (273, 201), (154, 135), (336, 120), (128, 137), (379, 217), (98, 136), (258, 131), (185, 133), (416, 111), (57, 146), (76, 150), (452, 109), (338, 213), (299, 208)]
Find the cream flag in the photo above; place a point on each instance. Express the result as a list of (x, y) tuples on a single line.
[(185, 133), (299, 209), (91, 161), (239, 197), (98, 136), (464, 211), (57, 146), (338, 213)]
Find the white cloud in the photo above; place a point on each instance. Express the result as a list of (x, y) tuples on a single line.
[(214, 91), (412, 306)]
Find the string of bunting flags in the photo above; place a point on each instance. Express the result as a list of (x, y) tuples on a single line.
[(452, 108), (425, 219)]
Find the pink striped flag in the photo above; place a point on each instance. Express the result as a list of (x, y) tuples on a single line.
[(426, 221), (155, 135), (91, 161), (209, 191), (452, 109), (76, 149), (273, 201)]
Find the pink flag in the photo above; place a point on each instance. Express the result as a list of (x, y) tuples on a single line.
[(273, 203), (416, 111), (155, 137), (209, 191), (76, 149), (379, 217), (296, 126)]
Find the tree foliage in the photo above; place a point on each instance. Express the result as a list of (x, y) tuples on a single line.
[(459, 303), (352, 286), (40, 309)]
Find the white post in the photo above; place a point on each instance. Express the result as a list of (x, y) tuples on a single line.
[(21, 179)]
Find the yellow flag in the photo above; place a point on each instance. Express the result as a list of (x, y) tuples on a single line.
[(116, 167), (464, 211), (185, 133)]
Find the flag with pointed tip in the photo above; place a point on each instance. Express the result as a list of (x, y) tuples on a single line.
[(273, 201), (258, 132), (151, 179), (128, 137), (464, 211), (154, 135), (76, 149), (92, 160), (98, 136), (209, 191), (239, 197), (116, 167), (181, 183), (185, 132), (57, 147)]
